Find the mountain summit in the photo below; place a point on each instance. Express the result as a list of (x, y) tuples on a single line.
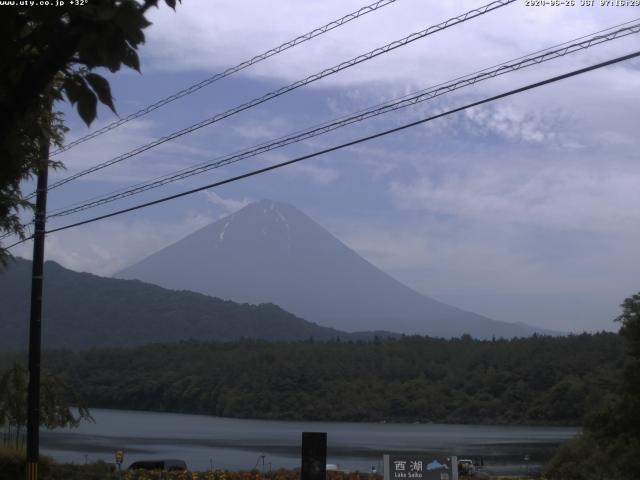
[(272, 252)]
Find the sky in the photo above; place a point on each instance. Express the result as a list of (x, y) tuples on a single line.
[(524, 209)]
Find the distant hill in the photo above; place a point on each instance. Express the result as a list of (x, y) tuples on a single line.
[(83, 311), (272, 252)]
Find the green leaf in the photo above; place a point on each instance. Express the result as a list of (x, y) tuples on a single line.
[(87, 108), (130, 59), (104, 13), (116, 49), (131, 22), (87, 101), (91, 48), (71, 89), (101, 87)]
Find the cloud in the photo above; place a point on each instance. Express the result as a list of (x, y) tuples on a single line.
[(261, 127), (516, 123), (201, 36), (568, 194), (107, 247), (166, 158), (319, 175), (187, 38), (229, 205)]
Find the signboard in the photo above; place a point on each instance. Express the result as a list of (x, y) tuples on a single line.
[(420, 467), (119, 457), (314, 456)]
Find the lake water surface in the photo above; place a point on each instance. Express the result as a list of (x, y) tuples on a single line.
[(238, 444)]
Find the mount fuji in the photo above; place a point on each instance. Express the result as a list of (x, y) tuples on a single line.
[(270, 252)]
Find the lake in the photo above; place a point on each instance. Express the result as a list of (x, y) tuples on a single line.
[(238, 444)]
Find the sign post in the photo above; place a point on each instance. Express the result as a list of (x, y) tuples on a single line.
[(314, 456), (119, 460), (420, 467)]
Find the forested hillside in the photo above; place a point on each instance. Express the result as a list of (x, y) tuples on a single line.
[(526, 381), (82, 311)]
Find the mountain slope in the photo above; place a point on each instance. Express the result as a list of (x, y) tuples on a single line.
[(83, 310), (272, 252)]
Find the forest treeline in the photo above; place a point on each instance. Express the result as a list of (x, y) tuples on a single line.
[(535, 380)]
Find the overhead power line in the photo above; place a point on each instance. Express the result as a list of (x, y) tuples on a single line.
[(281, 91), (406, 101), (611, 33), (348, 144), (229, 71)]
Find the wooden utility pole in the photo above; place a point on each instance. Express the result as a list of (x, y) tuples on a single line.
[(35, 323)]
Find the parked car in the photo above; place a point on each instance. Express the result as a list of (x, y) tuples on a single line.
[(165, 465)]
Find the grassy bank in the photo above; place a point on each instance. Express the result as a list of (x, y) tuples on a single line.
[(12, 467)]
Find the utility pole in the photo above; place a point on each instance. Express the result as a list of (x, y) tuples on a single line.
[(35, 323)]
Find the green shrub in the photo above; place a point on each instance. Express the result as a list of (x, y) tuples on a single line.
[(12, 463), (588, 458)]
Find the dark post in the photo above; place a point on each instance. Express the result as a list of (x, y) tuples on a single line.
[(314, 456), (35, 324)]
